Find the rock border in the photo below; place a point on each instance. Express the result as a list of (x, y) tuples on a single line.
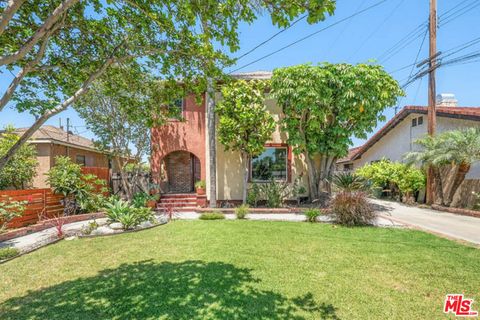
[(120, 232)]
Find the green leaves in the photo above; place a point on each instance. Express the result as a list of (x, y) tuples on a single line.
[(244, 123)]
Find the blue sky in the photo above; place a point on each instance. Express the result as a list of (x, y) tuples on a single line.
[(364, 37)]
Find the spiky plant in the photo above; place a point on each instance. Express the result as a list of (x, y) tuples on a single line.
[(349, 182)]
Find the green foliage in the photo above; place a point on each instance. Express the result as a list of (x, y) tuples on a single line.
[(212, 216), (132, 167), (10, 209), (253, 195), (347, 181), (22, 168), (240, 112), (312, 214), (242, 211), (385, 173), (140, 199), (352, 209), (7, 253), (128, 215), (90, 227), (326, 105), (200, 184), (476, 205), (275, 193)]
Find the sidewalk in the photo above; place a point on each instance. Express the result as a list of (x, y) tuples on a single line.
[(448, 224)]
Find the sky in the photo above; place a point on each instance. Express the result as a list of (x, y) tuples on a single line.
[(367, 36)]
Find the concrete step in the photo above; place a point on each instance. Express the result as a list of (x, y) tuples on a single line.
[(177, 204)]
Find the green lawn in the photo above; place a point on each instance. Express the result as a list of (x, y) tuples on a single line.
[(241, 270)]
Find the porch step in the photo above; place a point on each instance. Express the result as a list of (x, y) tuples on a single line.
[(178, 209), (175, 200), (178, 195), (177, 204)]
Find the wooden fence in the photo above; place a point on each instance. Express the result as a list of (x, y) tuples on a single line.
[(42, 203)]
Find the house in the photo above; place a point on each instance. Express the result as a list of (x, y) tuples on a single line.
[(51, 141), (180, 153), (397, 137)]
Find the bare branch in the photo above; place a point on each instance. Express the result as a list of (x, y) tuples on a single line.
[(8, 13), (39, 34)]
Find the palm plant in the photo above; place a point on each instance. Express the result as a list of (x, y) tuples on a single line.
[(349, 182), (450, 155)]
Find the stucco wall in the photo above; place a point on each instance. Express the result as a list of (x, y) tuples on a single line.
[(400, 140)]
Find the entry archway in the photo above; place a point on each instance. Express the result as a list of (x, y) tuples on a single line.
[(181, 171)]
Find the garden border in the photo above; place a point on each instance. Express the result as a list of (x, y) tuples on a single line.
[(459, 211)]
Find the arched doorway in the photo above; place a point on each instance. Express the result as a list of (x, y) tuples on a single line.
[(181, 169)]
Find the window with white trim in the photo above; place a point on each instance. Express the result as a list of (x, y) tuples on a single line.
[(270, 165)]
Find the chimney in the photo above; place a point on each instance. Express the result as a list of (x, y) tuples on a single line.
[(446, 100)]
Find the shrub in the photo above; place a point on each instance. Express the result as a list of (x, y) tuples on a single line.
[(394, 175), (212, 216), (275, 192), (200, 184), (352, 209), (253, 195), (118, 210), (312, 214), (347, 181), (140, 199), (7, 253), (242, 211), (22, 167), (10, 209)]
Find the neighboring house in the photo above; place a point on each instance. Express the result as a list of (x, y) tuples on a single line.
[(180, 153), (51, 141), (397, 137)]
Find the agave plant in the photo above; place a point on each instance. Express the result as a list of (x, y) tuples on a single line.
[(349, 182)]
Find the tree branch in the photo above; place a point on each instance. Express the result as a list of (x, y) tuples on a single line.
[(8, 13), (39, 34)]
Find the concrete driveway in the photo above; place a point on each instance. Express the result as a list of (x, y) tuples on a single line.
[(450, 225)]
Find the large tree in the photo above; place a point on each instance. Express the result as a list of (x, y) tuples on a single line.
[(325, 106), (450, 155), (244, 123), (57, 49)]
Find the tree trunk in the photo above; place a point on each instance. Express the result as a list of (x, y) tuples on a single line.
[(459, 176), (212, 148), (325, 173), (245, 159), (312, 179), (438, 186)]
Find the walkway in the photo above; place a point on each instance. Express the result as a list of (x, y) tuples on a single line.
[(447, 224)]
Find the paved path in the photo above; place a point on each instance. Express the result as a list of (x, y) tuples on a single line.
[(448, 224)]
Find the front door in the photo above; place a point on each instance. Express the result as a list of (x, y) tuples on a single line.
[(180, 172)]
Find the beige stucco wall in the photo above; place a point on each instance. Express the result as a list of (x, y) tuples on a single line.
[(230, 166), (400, 140)]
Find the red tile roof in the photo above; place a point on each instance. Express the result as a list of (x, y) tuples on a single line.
[(469, 113), (351, 152)]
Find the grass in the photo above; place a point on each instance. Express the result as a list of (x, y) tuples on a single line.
[(241, 270), (212, 216)]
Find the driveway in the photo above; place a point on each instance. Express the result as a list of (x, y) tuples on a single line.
[(450, 225)]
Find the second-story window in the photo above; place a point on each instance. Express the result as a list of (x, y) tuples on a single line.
[(175, 110)]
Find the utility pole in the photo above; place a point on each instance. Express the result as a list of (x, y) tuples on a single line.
[(432, 112)]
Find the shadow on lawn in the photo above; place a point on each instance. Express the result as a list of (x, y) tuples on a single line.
[(186, 290)]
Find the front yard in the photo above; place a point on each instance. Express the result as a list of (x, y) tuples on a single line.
[(241, 270)]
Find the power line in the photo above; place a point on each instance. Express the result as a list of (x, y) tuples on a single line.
[(447, 18), (404, 42), (271, 38), (310, 35)]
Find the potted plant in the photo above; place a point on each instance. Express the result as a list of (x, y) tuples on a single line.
[(152, 200), (154, 189), (200, 187)]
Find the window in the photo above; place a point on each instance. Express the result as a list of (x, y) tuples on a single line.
[(80, 159), (175, 109), (348, 167), (271, 164), (414, 122), (420, 121)]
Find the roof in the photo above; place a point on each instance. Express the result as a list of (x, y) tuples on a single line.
[(351, 153), (254, 75), (58, 135), (467, 113)]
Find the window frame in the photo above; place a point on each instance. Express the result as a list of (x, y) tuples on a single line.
[(420, 121), (182, 109), (84, 163), (288, 163), (414, 122)]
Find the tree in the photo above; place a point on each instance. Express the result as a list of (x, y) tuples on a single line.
[(59, 48), (118, 110), (450, 155), (22, 167), (325, 106), (244, 123)]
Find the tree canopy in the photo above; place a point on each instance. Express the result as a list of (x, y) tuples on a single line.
[(244, 123), (58, 48), (326, 105)]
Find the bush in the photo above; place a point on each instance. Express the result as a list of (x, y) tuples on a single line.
[(352, 209), (347, 181), (10, 209), (253, 195), (212, 216), (312, 214), (7, 253), (242, 211), (140, 199), (396, 176), (118, 210), (22, 167), (200, 184)]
